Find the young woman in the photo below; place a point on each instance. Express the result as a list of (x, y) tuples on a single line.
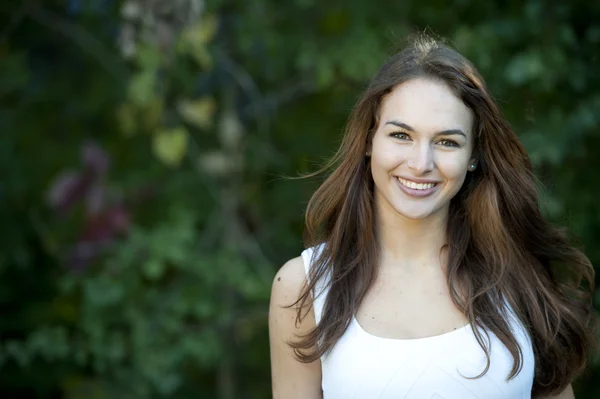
[(430, 271)]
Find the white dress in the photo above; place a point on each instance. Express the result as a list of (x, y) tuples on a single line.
[(362, 365)]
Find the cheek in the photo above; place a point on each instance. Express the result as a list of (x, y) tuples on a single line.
[(453, 168), (383, 158)]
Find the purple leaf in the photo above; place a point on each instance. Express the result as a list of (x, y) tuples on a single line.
[(95, 199), (95, 159), (66, 190), (99, 233)]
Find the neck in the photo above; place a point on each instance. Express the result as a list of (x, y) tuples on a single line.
[(410, 243)]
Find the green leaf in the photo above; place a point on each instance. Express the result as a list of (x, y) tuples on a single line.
[(154, 269), (524, 68), (170, 145), (17, 351), (102, 291), (325, 74), (126, 116), (148, 57), (141, 88)]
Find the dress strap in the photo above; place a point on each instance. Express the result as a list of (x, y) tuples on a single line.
[(309, 256)]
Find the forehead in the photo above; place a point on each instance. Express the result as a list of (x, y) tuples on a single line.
[(427, 105)]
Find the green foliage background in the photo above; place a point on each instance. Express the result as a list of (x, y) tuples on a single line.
[(143, 209)]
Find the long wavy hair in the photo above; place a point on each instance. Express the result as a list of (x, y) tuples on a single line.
[(499, 244)]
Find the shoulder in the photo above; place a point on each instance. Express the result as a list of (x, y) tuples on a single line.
[(287, 289), (288, 281), (291, 378)]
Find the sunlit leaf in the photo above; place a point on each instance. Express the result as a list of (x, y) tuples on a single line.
[(199, 33), (198, 112), (170, 145), (195, 38)]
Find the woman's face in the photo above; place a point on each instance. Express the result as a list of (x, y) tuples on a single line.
[(421, 150)]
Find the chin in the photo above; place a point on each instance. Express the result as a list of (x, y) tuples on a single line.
[(415, 214)]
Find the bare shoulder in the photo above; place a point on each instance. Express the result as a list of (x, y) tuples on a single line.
[(291, 378), (288, 282), (286, 290)]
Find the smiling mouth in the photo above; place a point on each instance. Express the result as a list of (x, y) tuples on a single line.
[(415, 186)]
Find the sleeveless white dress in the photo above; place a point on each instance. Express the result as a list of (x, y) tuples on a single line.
[(362, 365)]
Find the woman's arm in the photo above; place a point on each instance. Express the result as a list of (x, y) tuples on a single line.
[(290, 378), (566, 394)]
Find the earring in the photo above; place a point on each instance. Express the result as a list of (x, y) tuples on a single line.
[(367, 154), (472, 167)]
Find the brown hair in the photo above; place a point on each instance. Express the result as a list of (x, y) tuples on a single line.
[(499, 244)]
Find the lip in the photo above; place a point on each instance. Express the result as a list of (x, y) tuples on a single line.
[(413, 192)]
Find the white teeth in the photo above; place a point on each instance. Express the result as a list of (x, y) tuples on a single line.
[(416, 186)]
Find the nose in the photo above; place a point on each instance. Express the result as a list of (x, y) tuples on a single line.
[(421, 159)]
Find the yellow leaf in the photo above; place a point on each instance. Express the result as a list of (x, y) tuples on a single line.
[(198, 112), (169, 145), (195, 38), (202, 57), (200, 32)]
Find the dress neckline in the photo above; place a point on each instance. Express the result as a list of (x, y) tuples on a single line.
[(410, 340)]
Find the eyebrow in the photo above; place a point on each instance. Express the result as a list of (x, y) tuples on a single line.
[(448, 132)]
